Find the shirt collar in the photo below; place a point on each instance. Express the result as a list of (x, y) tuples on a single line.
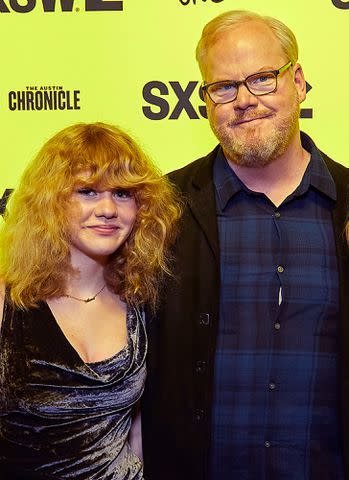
[(317, 175), (226, 181)]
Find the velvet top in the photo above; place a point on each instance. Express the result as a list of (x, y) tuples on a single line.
[(59, 416)]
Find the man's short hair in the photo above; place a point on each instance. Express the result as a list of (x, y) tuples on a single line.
[(225, 21)]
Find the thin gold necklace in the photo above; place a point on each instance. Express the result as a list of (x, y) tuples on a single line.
[(86, 300)]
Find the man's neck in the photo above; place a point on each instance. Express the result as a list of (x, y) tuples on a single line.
[(278, 179)]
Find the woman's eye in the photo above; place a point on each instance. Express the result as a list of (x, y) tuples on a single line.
[(86, 192), (121, 193)]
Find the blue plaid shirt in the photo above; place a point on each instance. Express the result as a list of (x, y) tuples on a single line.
[(275, 392)]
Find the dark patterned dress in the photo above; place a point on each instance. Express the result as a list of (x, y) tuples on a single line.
[(59, 416)]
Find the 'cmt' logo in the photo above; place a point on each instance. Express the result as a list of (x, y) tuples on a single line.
[(155, 91), (186, 2), (66, 5), (341, 4)]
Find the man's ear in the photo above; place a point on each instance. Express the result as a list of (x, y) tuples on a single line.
[(299, 81)]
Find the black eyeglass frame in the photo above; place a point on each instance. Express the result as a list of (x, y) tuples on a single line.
[(205, 86)]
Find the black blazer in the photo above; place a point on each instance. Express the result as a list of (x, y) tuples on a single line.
[(176, 413)]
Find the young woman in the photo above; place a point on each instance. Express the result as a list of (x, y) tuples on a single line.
[(83, 247)]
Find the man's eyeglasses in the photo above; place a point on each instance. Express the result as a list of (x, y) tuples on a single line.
[(258, 84)]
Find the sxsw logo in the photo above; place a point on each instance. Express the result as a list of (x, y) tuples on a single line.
[(25, 6), (155, 94), (341, 4), (4, 199), (159, 94)]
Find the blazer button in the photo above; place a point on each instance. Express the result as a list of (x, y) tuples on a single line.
[(198, 415), (204, 319)]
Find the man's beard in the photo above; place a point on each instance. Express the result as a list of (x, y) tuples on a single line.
[(254, 150)]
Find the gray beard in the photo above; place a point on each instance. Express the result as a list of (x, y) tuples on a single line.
[(255, 151)]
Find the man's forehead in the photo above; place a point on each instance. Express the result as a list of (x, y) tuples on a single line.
[(252, 45), (249, 33)]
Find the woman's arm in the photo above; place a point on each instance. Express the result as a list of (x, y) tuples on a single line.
[(135, 435)]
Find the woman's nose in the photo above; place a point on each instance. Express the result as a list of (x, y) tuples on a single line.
[(106, 206)]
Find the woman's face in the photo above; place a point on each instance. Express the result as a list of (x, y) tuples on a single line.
[(101, 221)]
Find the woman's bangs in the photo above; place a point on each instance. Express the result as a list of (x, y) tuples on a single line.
[(107, 175)]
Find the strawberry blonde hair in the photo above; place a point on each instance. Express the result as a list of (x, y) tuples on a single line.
[(34, 240)]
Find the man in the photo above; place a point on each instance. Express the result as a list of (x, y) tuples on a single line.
[(247, 361)]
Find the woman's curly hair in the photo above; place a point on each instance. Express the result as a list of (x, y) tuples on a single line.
[(34, 238)]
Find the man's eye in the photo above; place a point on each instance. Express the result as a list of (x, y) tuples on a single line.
[(227, 87), (221, 88), (87, 192), (121, 193), (261, 79)]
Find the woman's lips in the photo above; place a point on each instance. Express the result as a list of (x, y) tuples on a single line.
[(103, 229)]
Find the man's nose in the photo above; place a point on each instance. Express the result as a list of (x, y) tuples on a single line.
[(244, 98)]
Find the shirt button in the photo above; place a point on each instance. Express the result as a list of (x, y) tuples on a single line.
[(277, 326), (267, 444), (272, 386), (204, 319), (277, 214), (280, 269), (200, 366)]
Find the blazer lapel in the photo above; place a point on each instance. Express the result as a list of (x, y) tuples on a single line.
[(202, 200)]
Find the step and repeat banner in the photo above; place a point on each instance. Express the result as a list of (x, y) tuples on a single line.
[(132, 63)]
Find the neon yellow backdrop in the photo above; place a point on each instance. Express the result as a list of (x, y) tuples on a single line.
[(135, 67)]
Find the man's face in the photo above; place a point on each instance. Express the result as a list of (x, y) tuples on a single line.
[(253, 131)]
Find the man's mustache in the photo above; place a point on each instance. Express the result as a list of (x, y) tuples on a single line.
[(247, 117)]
